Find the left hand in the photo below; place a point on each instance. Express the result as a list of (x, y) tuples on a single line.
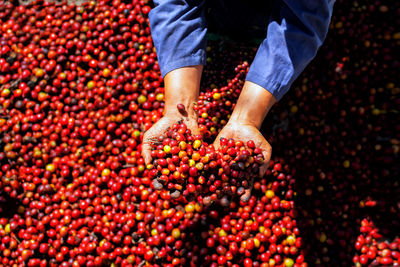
[(246, 132), (251, 108)]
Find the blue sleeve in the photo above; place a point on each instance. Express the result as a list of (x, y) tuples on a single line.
[(295, 32), (178, 30)]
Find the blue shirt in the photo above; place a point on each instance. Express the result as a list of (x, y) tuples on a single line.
[(295, 31)]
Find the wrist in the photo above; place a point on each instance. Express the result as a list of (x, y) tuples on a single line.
[(253, 105), (240, 120), (182, 86)]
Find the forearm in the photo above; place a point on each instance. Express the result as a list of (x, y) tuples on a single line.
[(182, 86), (253, 105)]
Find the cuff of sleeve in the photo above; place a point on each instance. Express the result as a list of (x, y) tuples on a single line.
[(271, 85), (183, 62)]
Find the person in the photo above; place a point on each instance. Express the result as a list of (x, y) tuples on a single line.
[(294, 29)]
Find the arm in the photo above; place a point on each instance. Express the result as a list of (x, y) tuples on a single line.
[(296, 31), (178, 30), (244, 124), (181, 87)]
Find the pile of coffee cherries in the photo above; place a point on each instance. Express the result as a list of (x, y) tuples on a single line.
[(373, 250), (79, 86)]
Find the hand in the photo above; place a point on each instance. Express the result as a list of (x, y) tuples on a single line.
[(251, 108), (245, 132), (182, 87), (161, 127)]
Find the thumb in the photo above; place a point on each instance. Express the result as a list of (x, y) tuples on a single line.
[(266, 152), (193, 126), (247, 193), (146, 149), (217, 141), (216, 144), (146, 153)]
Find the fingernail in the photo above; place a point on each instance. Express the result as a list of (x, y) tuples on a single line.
[(245, 198), (225, 202), (157, 185)]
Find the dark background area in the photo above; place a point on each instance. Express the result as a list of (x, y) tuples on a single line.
[(338, 129)]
